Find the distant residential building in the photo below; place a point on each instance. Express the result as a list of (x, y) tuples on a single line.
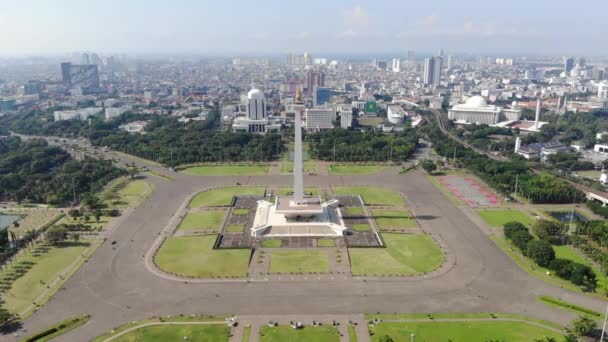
[(601, 148), (78, 114), (134, 127), (320, 118), (321, 96), (84, 76), (540, 150), (7, 105), (32, 88), (395, 114), (113, 112), (432, 71), (477, 111), (346, 115)]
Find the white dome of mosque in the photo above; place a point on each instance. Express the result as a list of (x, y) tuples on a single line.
[(476, 102), (255, 93)]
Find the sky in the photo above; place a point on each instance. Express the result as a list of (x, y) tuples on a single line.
[(217, 27)]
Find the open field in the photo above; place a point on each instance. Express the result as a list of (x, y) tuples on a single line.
[(193, 256), (311, 261), (470, 331), (48, 263), (283, 333), (210, 220), (124, 192), (498, 217), (222, 196), (406, 254), (393, 219), (354, 169), (193, 332), (226, 170), (378, 196)]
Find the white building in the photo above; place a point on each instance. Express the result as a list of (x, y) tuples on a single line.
[(602, 91), (134, 127), (477, 111), (601, 148), (346, 116), (113, 112), (320, 118), (396, 65), (395, 114), (256, 120), (78, 114)]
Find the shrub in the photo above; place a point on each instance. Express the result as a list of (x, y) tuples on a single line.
[(551, 231), (540, 251), (520, 239), (511, 227)]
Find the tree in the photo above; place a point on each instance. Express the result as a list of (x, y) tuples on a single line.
[(97, 215), (429, 166), (385, 338), (74, 212), (602, 286), (87, 218), (552, 231), (511, 227), (56, 234), (583, 326), (5, 316), (520, 239), (75, 237), (540, 251)]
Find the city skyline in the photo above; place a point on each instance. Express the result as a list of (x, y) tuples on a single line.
[(274, 27)]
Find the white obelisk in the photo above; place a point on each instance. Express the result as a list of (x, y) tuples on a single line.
[(298, 172)]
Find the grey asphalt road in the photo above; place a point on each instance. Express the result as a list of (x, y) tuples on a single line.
[(115, 287)]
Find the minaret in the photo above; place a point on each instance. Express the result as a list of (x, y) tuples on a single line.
[(537, 118), (298, 173)]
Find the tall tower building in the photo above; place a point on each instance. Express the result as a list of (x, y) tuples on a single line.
[(568, 64), (602, 92), (396, 65), (314, 78), (256, 105), (432, 71)]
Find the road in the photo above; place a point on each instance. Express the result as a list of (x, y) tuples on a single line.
[(115, 287)]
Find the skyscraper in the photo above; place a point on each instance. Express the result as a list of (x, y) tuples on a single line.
[(321, 96), (85, 76), (396, 65), (568, 64), (314, 78), (432, 71)]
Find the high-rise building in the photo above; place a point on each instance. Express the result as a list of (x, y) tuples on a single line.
[(602, 91), (320, 118), (396, 65), (568, 64), (314, 78), (321, 96), (32, 88), (84, 76), (432, 71)]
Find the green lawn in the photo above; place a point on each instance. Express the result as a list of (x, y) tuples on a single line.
[(227, 170), (272, 243), (326, 243), (371, 195), (283, 333), (406, 254), (498, 217), (205, 220), (361, 227), (162, 333), (354, 211), (240, 211), (193, 256), (354, 169), (47, 267), (311, 261), (222, 196), (235, 228), (127, 193), (393, 219), (480, 331)]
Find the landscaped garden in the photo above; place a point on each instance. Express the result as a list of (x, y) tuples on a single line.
[(393, 219), (194, 256), (182, 332), (309, 261), (498, 217), (208, 221), (404, 255), (223, 196), (355, 169), (226, 170), (282, 333)]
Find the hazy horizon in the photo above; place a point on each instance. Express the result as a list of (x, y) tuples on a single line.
[(273, 27)]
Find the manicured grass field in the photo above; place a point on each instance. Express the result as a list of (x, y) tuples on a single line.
[(371, 195), (312, 261), (406, 254), (240, 211), (393, 219), (354, 169), (129, 193), (326, 243), (354, 211), (283, 333), (47, 267), (480, 331), (235, 228), (227, 170), (568, 252), (193, 256), (497, 218), (361, 227), (162, 333), (222, 196), (210, 220), (271, 243)]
